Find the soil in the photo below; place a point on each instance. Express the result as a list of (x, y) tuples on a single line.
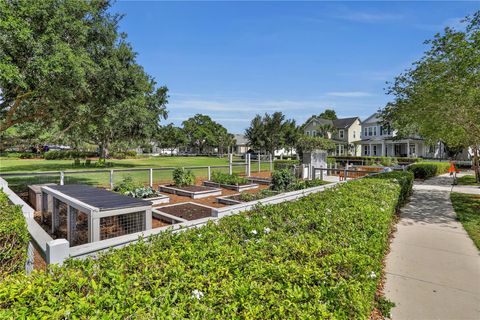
[(157, 223), (188, 211)]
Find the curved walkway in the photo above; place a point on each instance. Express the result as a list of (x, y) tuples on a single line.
[(433, 268)]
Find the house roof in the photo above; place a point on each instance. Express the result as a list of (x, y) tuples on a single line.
[(241, 139), (344, 122)]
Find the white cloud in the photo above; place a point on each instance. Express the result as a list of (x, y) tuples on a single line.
[(372, 17), (349, 94)]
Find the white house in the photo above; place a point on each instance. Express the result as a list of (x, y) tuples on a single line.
[(345, 133), (379, 140)]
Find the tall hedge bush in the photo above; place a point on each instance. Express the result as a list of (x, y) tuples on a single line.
[(425, 170), (315, 258), (14, 237)]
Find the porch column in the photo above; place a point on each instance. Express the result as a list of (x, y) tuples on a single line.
[(383, 148), (369, 148), (408, 148)]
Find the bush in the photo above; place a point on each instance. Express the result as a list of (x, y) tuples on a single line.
[(265, 193), (27, 155), (14, 237), (282, 179), (123, 154), (315, 258), (425, 170), (127, 185), (285, 164), (143, 193), (182, 177), (403, 179), (304, 184), (230, 179), (68, 154)]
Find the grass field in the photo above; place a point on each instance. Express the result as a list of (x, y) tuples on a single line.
[(467, 208), (468, 180), (8, 165)]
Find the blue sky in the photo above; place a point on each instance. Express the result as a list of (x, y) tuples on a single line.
[(232, 60)]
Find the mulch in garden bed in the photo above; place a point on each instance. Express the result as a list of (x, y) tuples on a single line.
[(190, 188), (188, 211)]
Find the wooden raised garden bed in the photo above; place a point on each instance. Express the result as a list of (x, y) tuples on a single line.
[(183, 212), (194, 192), (237, 198), (158, 199), (238, 188), (260, 180)]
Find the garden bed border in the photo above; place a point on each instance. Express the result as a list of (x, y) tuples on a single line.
[(238, 188), (191, 194)]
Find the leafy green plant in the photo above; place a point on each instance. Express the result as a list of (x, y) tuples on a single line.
[(127, 185), (319, 257), (14, 237), (265, 193), (282, 179), (143, 192), (230, 179), (425, 170), (304, 184), (183, 177), (384, 306), (68, 154)]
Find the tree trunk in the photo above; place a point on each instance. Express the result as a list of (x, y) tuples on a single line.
[(104, 150), (476, 164)]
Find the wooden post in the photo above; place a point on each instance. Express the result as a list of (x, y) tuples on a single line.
[(259, 162), (150, 178), (248, 165), (111, 179), (271, 162), (209, 170), (62, 178), (230, 160)]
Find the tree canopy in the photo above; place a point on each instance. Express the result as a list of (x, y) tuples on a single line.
[(203, 132), (439, 96), (269, 132)]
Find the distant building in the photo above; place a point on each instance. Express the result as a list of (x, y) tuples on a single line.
[(241, 144), (344, 132)]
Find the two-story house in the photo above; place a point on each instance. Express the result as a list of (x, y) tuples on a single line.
[(344, 132), (379, 140)]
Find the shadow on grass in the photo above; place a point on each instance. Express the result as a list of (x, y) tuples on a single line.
[(467, 208), (468, 180)]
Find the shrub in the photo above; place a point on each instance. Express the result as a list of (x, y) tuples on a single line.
[(265, 193), (285, 164), (68, 154), (182, 177), (127, 185), (425, 170), (14, 237), (123, 154), (230, 179), (304, 184), (282, 179), (403, 179), (27, 155), (315, 258)]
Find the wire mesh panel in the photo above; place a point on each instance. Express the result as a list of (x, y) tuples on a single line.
[(162, 176), (114, 226), (60, 219), (142, 177), (19, 184), (78, 227)]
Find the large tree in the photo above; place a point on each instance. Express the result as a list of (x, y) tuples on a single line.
[(171, 137), (439, 96), (203, 132), (45, 59), (267, 132)]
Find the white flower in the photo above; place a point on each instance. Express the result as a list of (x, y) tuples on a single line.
[(196, 294), (264, 217), (254, 232), (266, 230), (382, 209), (373, 275), (199, 235), (246, 240), (257, 241)]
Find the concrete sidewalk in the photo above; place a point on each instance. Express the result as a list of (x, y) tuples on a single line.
[(433, 269)]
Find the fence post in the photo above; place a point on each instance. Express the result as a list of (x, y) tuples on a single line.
[(248, 165), (259, 162), (230, 160), (150, 177), (111, 179), (321, 173), (345, 173), (62, 178), (271, 162), (57, 251), (209, 170)]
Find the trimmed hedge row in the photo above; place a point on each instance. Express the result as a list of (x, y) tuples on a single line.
[(404, 179), (285, 164), (14, 237), (314, 258), (376, 158), (424, 170), (68, 154)]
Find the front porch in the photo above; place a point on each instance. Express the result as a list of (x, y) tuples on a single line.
[(390, 148)]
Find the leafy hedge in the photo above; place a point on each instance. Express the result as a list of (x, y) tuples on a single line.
[(424, 170), (68, 154), (131, 154), (14, 237), (377, 159), (314, 258), (404, 179), (285, 164), (231, 179)]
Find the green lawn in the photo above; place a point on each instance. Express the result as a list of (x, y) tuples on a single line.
[(8, 165), (467, 208), (468, 180)]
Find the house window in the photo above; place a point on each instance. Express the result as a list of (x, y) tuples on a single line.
[(354, 134), (365, 150), (314, 133), (341, 134), (365, 131), (374, 150), (340, 149), (370, 131), (412, 149), (381, 130), (375, 130), (308, 133)]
